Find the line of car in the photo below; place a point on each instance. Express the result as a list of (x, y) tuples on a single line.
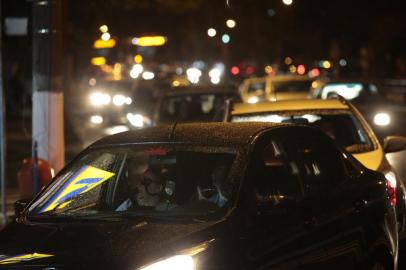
[(291, 184)]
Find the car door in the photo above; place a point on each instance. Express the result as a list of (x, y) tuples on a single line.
[(352, 201), (285, 235), (326, 179)]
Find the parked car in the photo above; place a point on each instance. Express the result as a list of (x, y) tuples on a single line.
[(281, 87), (342, 122), (208, 196), (384, 117), (193, 104)]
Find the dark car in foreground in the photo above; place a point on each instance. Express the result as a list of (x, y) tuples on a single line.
[(208, 196), (193, 104)]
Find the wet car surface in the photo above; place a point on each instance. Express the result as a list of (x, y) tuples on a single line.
[(208, 196)]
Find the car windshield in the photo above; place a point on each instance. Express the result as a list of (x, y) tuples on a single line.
[(340, 125), (292, 86), (193, 108), (350, 91), (165, 181)]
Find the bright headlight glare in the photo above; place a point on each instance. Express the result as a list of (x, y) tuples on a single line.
[(119, 100), (96, 119), (137, 120), (253, 100), (99, 99), (179, 262), (382, 119)]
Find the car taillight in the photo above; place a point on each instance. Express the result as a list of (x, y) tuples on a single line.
[(391, 186)]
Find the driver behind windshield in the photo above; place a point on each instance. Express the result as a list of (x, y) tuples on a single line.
[(147, 186)]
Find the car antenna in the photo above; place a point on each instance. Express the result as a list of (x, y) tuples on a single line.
[(172, 134)]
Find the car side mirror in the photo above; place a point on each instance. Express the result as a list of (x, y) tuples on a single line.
[(19, 206), (393, 144)]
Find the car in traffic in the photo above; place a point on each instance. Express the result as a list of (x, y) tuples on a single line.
[(279, 87), (384, 117), (208, 196), (193, 104), (343, 123)]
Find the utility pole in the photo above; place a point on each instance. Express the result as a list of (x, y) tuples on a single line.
[(47, 118), (3, 216)]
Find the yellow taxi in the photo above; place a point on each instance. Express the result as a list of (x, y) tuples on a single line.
[(343, 123), (282, 87)]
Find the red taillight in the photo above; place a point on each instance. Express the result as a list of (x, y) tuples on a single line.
[(391, 186)]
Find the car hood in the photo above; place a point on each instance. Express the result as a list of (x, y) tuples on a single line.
[(102, 245)]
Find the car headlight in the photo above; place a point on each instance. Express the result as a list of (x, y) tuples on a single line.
[(178, 262), (99, 99), (96, 119), (382, 119), (137, 120), (253, 100)]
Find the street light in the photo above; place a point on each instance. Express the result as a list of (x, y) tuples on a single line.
[(225, 38), (103, 28), (287, 2), (230, 23), (211, 32), (105, 36)]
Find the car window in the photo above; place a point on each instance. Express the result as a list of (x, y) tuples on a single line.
[(276, 177), (291, 86), (319, 162), (142, 180), (340, 125), (351, 91), (256, 86), (193, 108)]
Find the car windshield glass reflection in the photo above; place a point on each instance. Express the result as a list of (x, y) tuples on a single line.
[(142, 181), (193, 108), (350, 91), (292, 86), (341, 126)]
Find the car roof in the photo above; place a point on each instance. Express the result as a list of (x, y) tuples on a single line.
[(224, 134), (283, 78), (347, 81), (196, 90), (290, 105)]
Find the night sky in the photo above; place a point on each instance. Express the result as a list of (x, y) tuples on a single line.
[(267, 31)]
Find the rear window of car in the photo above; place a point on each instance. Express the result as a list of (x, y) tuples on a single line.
[(193, 108), (350, 91), (340, 125), (291, 86)]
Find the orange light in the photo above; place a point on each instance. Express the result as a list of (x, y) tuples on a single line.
[(103, 28), (138, 59), (98, 61), (268, 69), (292, 68), (288, 60), (104, 44), (148, 41)]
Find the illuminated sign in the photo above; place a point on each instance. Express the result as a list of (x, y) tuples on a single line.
[(104, 44), (148, 41), (86, 179), (98, 61), (22, 258)]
